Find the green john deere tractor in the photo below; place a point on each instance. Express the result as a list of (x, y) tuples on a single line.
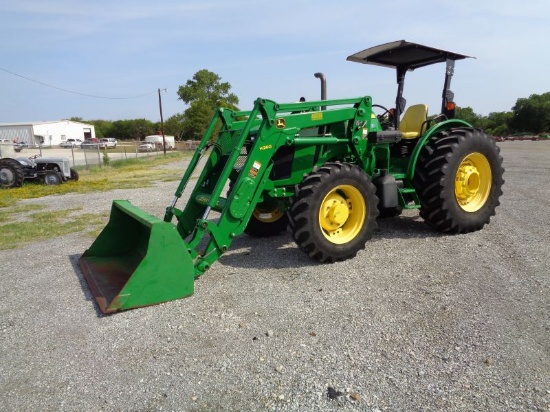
[(323, 169)]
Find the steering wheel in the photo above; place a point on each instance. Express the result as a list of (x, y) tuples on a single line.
[(386, 110), (386, 118)]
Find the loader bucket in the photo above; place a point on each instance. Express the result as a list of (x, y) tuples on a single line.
[(137, 260)]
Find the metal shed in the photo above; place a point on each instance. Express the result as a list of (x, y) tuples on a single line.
[(45, 133)]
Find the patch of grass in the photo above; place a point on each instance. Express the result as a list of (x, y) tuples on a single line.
[(119, 174), (46, 225), (7, 198), (24, 224), (8, 214)]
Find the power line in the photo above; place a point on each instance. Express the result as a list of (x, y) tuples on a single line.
[(73, 92)]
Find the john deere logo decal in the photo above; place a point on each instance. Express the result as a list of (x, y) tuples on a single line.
[(281, 123)]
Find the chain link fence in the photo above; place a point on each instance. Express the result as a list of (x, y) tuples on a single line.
[(94, 155)]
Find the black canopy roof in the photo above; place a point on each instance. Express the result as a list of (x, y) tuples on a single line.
[(404, 55)]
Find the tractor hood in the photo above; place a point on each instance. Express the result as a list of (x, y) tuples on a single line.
[(51, 160), (404, 55)]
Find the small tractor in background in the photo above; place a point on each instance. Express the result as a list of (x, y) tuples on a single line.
[(323, 169), (48, 170)]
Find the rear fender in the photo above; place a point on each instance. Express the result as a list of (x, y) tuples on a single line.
[(432, 131)]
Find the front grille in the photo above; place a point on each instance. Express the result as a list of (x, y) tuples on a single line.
[(66, 168)]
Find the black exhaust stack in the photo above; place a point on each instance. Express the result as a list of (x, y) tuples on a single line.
[(323, 79)]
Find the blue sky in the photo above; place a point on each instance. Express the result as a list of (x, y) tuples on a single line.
[(121, 49)]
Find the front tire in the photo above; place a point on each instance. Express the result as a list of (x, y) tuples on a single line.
[(268, 218), (74, 174), (11, 174), (266, 221), (52, 178), (458, 179), (334, 212)]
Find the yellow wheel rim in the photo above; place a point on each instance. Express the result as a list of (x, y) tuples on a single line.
[(473, 182), (267, 216), (342, 214)]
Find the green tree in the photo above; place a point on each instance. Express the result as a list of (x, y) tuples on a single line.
[(203, 94), (135, 129), (206, 86), (467, 114), (174, 125), (196, 119), (497, 123), (102, 127), (531, 114)]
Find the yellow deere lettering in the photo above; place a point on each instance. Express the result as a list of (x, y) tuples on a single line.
[(266, 147), (317, 116)]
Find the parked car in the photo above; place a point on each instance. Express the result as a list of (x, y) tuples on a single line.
[(20, 146), (109, 142), (146, 147), (92, 143), (71, 143)]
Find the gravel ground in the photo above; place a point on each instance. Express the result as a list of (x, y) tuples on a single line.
[(417, 321)]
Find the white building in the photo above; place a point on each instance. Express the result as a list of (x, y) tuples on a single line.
[(45, 133)]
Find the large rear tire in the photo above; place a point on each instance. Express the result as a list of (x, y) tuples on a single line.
[(458, 179), (11, 173), (334, 212)]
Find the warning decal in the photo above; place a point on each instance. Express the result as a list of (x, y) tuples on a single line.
[(255, 169)]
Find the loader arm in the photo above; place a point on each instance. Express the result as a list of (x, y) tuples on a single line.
[(244, 154)]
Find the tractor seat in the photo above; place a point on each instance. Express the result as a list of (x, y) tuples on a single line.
[(413, 121)]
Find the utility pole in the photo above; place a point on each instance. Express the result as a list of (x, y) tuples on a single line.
[(162, 123)]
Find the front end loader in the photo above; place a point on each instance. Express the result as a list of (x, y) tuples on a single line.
[(324, 169)]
